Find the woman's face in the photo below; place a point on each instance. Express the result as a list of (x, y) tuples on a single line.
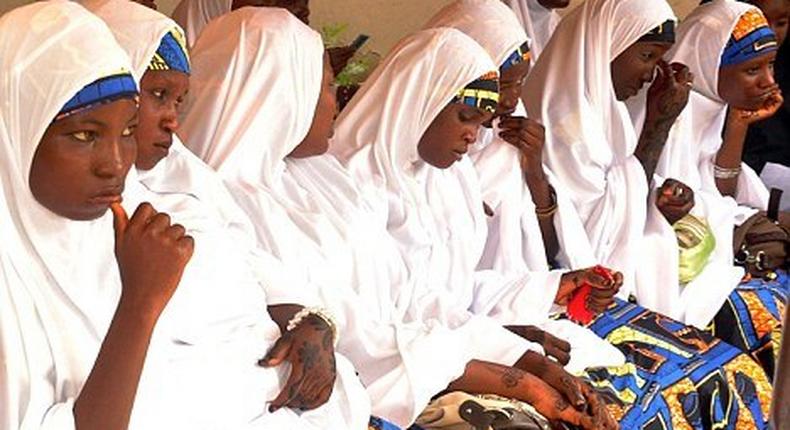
[(323, 127), (448, 137), (82, 160), (748, 85), (161, 95), (634, 68), (778, 14), (511, 84)]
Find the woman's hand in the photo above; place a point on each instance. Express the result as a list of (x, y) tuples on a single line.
[(554, 407), (310, 350), (669, 93), (675, 200), (741, 117), (528, 136), (554, 346), (152, 254), (603, 291)]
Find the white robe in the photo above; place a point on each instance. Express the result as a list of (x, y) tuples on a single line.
[(514, 242), (590, 140), (200, 371), (689, 156), (312, 216)]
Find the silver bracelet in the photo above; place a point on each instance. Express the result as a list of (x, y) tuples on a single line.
[(726, 172), (320, 313)]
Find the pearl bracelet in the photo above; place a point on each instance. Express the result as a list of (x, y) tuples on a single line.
[(320, 313)]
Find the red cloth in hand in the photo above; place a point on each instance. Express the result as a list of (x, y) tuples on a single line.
[(577, 306)]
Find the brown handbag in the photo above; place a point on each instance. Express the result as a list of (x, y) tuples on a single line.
[(762, 245)]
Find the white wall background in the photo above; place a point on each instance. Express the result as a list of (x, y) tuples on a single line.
[(385, 20)]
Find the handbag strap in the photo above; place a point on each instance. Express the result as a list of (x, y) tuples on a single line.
[(773, 204)]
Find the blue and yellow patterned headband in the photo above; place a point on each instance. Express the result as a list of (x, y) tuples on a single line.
[(172, 53), (520, 55), (752, 37), (482, 93), (663, 33), (99, 92)]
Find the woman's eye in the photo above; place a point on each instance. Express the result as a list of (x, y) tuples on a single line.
[(647, 56), (158, 93), (84, 136)]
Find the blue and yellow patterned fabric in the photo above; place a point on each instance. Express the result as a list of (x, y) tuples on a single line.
[(751, 318), (482, 93), (172, 53), (676, 376), (103, 90), (752, 37), (663, 33), (520, 55)]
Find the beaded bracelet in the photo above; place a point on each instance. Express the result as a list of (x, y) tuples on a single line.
[(320, 313), (725, 172)]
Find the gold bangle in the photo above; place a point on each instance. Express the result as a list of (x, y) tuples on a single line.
[(549, 211)]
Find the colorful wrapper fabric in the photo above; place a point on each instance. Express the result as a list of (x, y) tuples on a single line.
[(751, 318), (752, 37)]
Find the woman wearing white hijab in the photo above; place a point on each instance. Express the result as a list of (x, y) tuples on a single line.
[(745, 315), (576, 90), (326, 232), (58, 273), (161, 64)]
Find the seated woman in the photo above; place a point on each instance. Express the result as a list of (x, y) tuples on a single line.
[(330, 233), (85, 345), (156, 46), (595, 61), (733, 88)]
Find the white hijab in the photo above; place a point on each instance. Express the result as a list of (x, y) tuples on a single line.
[(590, 140), (193, 15), (515, 243), (309, 212), (689, 156), (538, 21), (200, 371)]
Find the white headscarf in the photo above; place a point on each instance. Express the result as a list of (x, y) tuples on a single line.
[(515, 244), (60, 284), (689, 156), (310, 213), (538, 21), (193, 15), (590, 140)]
